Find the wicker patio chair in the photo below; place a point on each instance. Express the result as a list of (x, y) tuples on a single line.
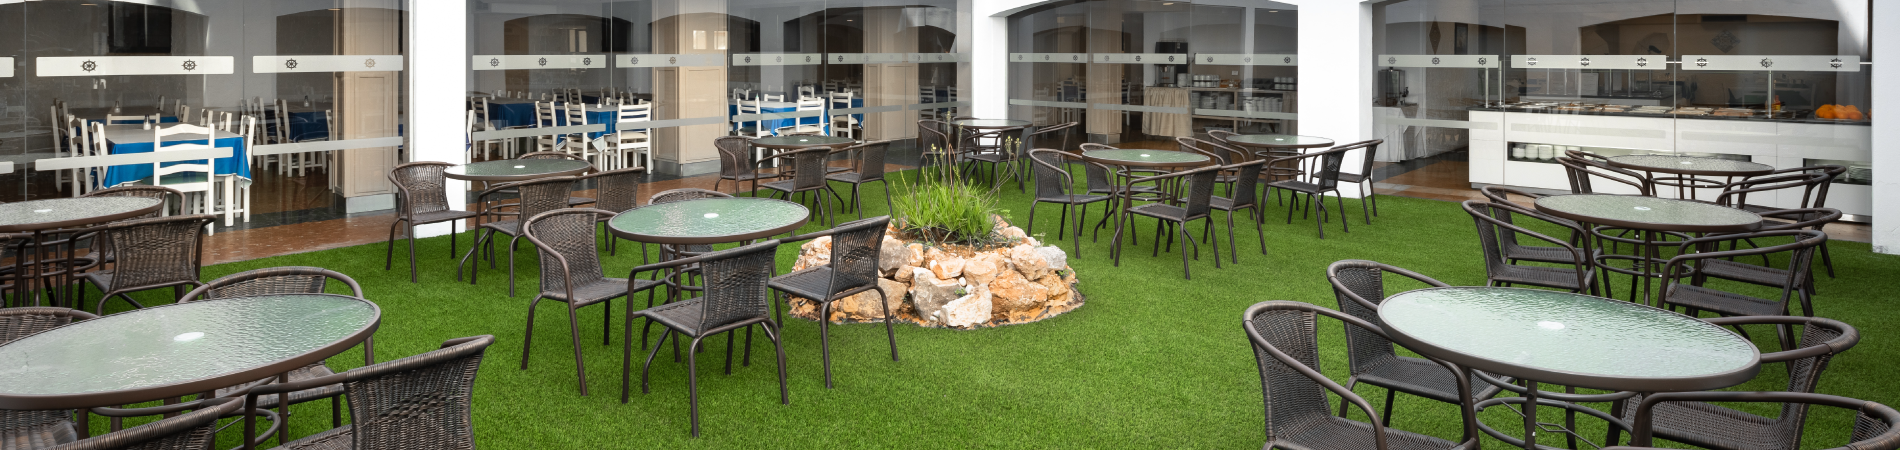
[(1874, 423), (1325, 178), (1515, 251), (163, 252), (36, 429), (1214, 153), (421, 198), (1055, 185), (735, 298), (1766, 274), (274, 281), (1496, 219), (1098, 179), (735, 163), (866, 168), (618, 191), (537, 196), (1815, 199), (166, 196), (1009, 150), (421, 401), (1359, 286), (1035, 139), (571, 273), (1717, 427), (853, 269), (1244, 195), (933, 143), (571, 201), (1285, 339), (808, 175), (195, 430), (1363, 179), (1582, 167), (1683, 277), (1196, 206)]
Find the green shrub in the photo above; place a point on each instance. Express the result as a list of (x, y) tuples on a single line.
[(936, 205)]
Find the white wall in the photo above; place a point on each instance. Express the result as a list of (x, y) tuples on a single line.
[(438, 74), (1886, 46), (1336, 74)]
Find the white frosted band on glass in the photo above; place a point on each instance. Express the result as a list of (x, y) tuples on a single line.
[(1246, 114), (1140, 108), (92, 66), (1047, 104), (1241, 59), (1802, 63), (1048, 57), (324, 146), (6, 67), (866, 58), (930, 106), (777, 59), (325, 63), (1141, 58), (1619, 62), (1452, 61), (681, 60), (533, 132), (1587, 131), (1469, 125), (81, 162), (6, 167), (517, 62), (938, 57)]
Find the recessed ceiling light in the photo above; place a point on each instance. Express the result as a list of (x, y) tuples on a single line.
[(1168, 4), (1272, 11)]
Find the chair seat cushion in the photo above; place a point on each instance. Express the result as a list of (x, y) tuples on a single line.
[(303, 373), (850, 177), (1744, 272), (1424, 378), (1544, 254), (592, 292), (1723, 302), (577, 201), (812, 283), (1162, 211), (682, 316), (1555, 277), (442, 216), (1328, 432), (339, 438), (509, 227), (1073, 199), (35, 429), (1299, 186)]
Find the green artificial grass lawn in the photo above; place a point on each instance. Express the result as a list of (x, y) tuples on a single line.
[(1151, 361)]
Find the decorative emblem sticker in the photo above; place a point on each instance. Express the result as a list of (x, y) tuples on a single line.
[(190, 65), (89, 65), (290, 64)]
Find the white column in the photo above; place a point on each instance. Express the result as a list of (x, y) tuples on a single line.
[(1336, 74), (988, 89), (1886, 49), (438, 79)]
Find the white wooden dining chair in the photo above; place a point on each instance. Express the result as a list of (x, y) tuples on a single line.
[(545, 116), (843, 125), (576, 143), (798, 124), (631, 143), (195, 180), (237, 190), (752, 107)]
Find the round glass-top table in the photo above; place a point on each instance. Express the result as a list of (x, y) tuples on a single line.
[(798, 142), (1271, 141), (57, 213), (1133, 157), (709, 220), (1649, 213), (517, 169), (1568, 339), (989, 124), (179, 349), (1691, 165)]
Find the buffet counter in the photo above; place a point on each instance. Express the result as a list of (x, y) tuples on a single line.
[(1515, 145)]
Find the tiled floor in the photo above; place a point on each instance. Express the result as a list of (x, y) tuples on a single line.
[(1440, 179)]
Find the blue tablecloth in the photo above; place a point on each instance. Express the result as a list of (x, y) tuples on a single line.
[(309, 125), (774, 124), (238, 164), (511, 113)]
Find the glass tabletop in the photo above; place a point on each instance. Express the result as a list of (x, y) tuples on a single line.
[(1288, 140), (1568, 333), (26, 215), (1674, 163), (1654, 213), (518, 167), (713, 218), (792, 141), (174, 344), (1143, 156), (990, 123)]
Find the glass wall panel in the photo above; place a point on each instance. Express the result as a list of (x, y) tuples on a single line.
[(306, 96)]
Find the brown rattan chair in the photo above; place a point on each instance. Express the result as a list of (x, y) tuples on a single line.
[(571, 201), (1060, 131), (195, 430), (1683, 277), (421, 198), (933, 143), (1055, 185), (735, 297), (421, 401), (1098, 175), (162, 252), (1214, 152), (571, 273), (1244, 195), (1367, 193), (165, 195), (1285, 339), (1581, 168), (1766, 274), (1515, 251), (852, 270), (1323, 179), (808, 175), (1815, 199), (1497, 219), (1009, 150), (1874, 423), (735, 163), (618, 191), (275, 281), (1196, 206), (537, 196), (1359, 286), (36, 429), (1708, 425), (867, 167)]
